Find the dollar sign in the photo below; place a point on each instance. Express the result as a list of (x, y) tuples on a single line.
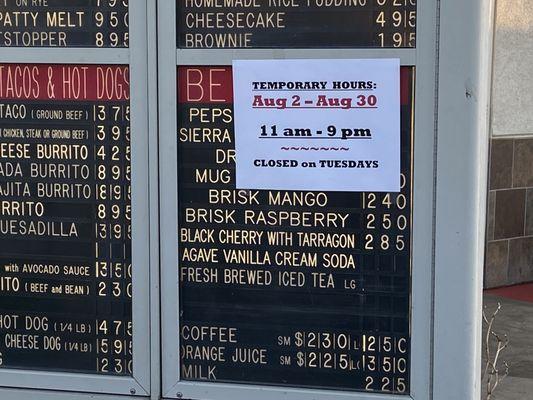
[(299, 340), (300, 357)]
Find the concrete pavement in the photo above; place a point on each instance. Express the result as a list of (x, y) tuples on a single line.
[(516, 320)]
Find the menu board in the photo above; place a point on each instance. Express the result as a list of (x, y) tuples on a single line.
[(287, 288), (65, 218), (64, 23), (295, 23)]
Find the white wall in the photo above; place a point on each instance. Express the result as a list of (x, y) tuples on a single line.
[(512, 112)]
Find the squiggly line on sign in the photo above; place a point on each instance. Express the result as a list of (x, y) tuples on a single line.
[(315, 148)]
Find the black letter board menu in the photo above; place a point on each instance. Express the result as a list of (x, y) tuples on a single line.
[(64, 23), (303, 289), (65, 218), (296, 23)]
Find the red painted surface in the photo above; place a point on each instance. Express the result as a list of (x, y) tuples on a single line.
[(215, 85), (64, 82), (205, 85), (518, 292)]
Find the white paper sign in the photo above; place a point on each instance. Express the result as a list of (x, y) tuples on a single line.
[(331, 125)]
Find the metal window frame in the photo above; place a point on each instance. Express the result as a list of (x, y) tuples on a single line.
[(452, 76), (25, 384), (424, 59), (464, 84)]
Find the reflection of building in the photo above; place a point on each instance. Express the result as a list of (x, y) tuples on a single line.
[(509, 257)]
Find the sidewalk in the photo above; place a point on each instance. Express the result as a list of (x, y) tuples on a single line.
[(516, 320)]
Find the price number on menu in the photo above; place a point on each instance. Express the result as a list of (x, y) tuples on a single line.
[(396, 23), (112, 22), (386, 220)]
